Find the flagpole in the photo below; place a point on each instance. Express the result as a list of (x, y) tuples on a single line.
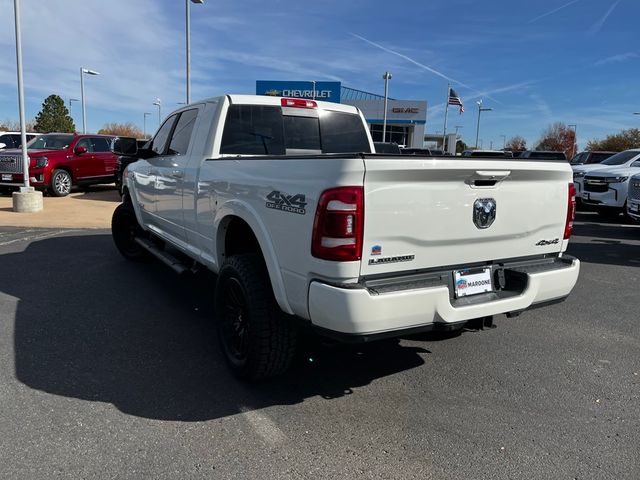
[(446, 112)]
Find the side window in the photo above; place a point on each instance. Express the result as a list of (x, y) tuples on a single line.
[(7, 140), (84, 142), (159, 142), (253, 130), (100, 144), (182, 133)]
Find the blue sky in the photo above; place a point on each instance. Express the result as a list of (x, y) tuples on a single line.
[(575, 61)]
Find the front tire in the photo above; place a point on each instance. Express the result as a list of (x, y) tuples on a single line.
[(124, 230), (60, 183), (258, 341)]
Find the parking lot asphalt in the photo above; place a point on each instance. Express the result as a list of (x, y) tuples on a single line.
[(110, 369)]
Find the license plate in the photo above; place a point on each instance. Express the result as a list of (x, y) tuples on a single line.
[(472, 281), (634, 207), (6, 177)]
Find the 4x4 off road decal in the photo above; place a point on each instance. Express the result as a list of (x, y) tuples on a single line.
[(295, 203)]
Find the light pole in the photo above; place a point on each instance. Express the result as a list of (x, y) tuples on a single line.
[(386, 77), (23, 131), (313, 85), (158, 103), (144, 125), (71, 100), (480, 110), (188, 35), (83, 72), (575, 140), (504, 142), (457, 128)]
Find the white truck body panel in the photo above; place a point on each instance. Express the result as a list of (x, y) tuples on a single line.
[(419, 207)]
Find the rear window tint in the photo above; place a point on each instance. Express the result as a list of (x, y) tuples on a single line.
[(264, 130), (301, 133), (343, 133), (253, 130)]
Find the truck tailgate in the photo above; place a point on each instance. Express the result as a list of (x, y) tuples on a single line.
[(419, 212)]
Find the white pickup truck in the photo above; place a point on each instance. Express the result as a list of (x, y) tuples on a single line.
[(304, 224)]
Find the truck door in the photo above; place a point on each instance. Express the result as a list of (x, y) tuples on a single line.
[(146, 172), (170, 170), (83, 162)]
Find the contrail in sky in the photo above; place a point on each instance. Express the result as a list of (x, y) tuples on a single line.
[(553, 11), (598, 25), (408, 59)]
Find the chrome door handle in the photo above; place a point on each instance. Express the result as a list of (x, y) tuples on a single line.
[(177, 173)]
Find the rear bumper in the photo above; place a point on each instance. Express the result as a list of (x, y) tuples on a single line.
[(365, 311)]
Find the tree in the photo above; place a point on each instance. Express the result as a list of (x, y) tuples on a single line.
[(461, 146), (624, 140), (558, 137), (516, 144), (122, 129), (54, 117)]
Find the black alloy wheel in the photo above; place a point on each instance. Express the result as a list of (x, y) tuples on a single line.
[(258, 341)]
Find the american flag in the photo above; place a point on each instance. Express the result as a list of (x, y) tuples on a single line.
[(454, 99)]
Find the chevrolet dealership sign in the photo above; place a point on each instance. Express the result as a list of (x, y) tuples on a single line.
[(325, 91)]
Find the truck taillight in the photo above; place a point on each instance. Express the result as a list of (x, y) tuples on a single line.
[(298, 102), (338, 225), (571, 211)]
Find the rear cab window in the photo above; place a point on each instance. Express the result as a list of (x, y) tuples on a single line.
[(274, 130)]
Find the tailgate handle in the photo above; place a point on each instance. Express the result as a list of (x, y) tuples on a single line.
[(487, 178)]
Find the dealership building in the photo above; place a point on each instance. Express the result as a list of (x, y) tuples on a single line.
[(406, 119)]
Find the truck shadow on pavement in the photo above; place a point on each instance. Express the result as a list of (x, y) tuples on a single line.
[(92, 326)]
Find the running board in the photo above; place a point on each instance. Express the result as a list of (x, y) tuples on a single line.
[(169, 260)]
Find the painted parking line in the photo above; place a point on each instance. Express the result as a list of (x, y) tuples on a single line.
[(35, 236)]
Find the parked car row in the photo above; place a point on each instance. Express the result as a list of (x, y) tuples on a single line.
[(58, 161), (605, 185)]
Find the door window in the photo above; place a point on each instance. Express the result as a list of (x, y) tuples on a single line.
[(159, 142), (182, 133), (84, 142), (100, 144)]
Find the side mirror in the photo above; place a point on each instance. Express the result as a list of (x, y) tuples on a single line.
[(125, 146), (80, 150), (3, 145)]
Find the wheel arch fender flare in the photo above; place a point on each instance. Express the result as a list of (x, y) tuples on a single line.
[(236, 208)]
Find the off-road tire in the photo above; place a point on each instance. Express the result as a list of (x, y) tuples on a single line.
[(258, 341), (124, 230), (61, 183)]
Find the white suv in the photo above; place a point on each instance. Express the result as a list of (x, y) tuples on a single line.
[(633, 200), (619, 160), (607, 188)]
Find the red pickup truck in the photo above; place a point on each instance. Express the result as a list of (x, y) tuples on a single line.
[(58, 161)]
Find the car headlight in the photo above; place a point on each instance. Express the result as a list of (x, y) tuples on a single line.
[(39, 162), (578, 174), (616, 179)]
